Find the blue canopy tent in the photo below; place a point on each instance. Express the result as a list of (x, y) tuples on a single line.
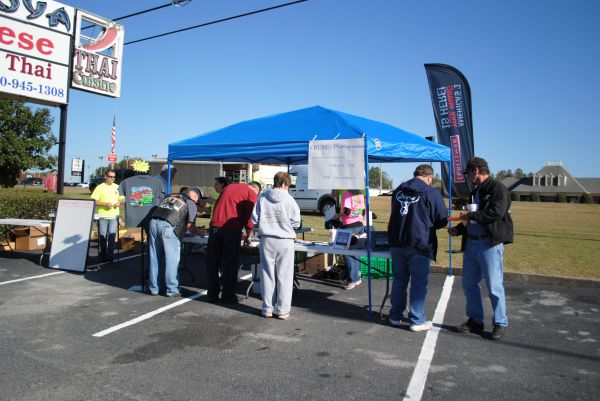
[(283, 139)]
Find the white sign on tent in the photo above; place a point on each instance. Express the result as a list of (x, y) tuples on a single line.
[(338, 163)]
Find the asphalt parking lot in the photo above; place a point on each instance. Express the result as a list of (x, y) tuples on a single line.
[(70, 336)]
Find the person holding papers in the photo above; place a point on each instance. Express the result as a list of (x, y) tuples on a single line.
[(277, 215)]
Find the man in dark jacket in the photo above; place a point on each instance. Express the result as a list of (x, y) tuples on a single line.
[(168, 224), (417, 211), (486, 227)]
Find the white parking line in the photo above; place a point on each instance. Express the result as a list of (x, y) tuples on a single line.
[(156, 312), (31, 278), (147, 315), (417, 381)]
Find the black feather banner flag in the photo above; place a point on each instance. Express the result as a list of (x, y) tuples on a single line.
[(451, 99)]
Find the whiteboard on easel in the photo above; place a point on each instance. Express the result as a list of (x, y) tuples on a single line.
[(71, 235)]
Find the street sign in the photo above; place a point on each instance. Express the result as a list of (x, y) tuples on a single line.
[(76, 167), (112, 157)]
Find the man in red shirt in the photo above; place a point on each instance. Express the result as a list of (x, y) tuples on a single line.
[(50, 182), (231, 215)]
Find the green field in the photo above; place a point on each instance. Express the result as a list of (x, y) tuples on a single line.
[(555, 239)]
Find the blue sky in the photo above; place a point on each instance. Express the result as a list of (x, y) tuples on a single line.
[(529, 64)]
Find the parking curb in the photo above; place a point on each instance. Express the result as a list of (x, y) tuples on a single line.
[(529, 278)]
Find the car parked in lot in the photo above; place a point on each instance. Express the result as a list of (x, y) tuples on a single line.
[(318, 200), (32, 181), (83, 185)]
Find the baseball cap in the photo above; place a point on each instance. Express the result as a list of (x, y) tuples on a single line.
[(165, 167), (476, 162), (196, 190)]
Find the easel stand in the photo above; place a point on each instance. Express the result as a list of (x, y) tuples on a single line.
[(143, 264)]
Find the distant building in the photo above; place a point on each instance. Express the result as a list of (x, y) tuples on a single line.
[(552, 180), (202, 173)]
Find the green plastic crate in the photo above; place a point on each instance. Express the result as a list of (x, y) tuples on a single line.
[(376, 263)]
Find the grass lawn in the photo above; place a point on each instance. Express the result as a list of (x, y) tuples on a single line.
[(555, 239), (550, 238)]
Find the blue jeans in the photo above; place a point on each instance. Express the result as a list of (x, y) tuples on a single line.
[(408, 265), (107, 242), (164, 249), (351, 262), (481, 260)]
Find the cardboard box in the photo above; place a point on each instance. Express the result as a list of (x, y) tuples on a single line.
[(126, 243), (39, 231), (30, 232), (7, 246), (135, 233), (29, 243), (316, 263), (19, 232)]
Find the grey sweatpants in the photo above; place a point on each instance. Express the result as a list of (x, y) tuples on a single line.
[(276, 274)]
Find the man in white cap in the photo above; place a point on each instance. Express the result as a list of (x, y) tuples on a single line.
[(163, 178)]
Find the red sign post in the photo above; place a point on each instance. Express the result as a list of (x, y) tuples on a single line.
[(112, 158)]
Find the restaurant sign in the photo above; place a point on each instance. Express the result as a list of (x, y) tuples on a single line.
[(97, 55), (35, 43)]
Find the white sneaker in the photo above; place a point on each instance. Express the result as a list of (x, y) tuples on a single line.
[(395, 323), (352, 284), (421, 327), (283, 316)]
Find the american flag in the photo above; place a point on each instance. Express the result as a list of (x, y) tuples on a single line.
[(113, 135)]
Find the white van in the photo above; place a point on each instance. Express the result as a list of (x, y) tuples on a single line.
[(317, 200)]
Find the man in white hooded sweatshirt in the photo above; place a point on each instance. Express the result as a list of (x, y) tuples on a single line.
[(276, 214)]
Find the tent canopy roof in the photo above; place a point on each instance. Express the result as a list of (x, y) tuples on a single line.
[(283, 139)]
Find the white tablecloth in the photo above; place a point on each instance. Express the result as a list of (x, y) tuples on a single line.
[(25, 222)]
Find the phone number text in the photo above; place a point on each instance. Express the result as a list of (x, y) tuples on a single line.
[(29, 86)]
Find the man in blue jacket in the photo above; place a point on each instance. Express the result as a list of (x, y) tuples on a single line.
[(417, 211)]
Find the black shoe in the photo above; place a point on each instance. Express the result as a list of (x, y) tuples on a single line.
[(231, 300), (213, 300), (470, 326), (498, 332), (186, 293)]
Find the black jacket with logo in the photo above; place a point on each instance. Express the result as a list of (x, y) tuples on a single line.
[(493, 213)]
